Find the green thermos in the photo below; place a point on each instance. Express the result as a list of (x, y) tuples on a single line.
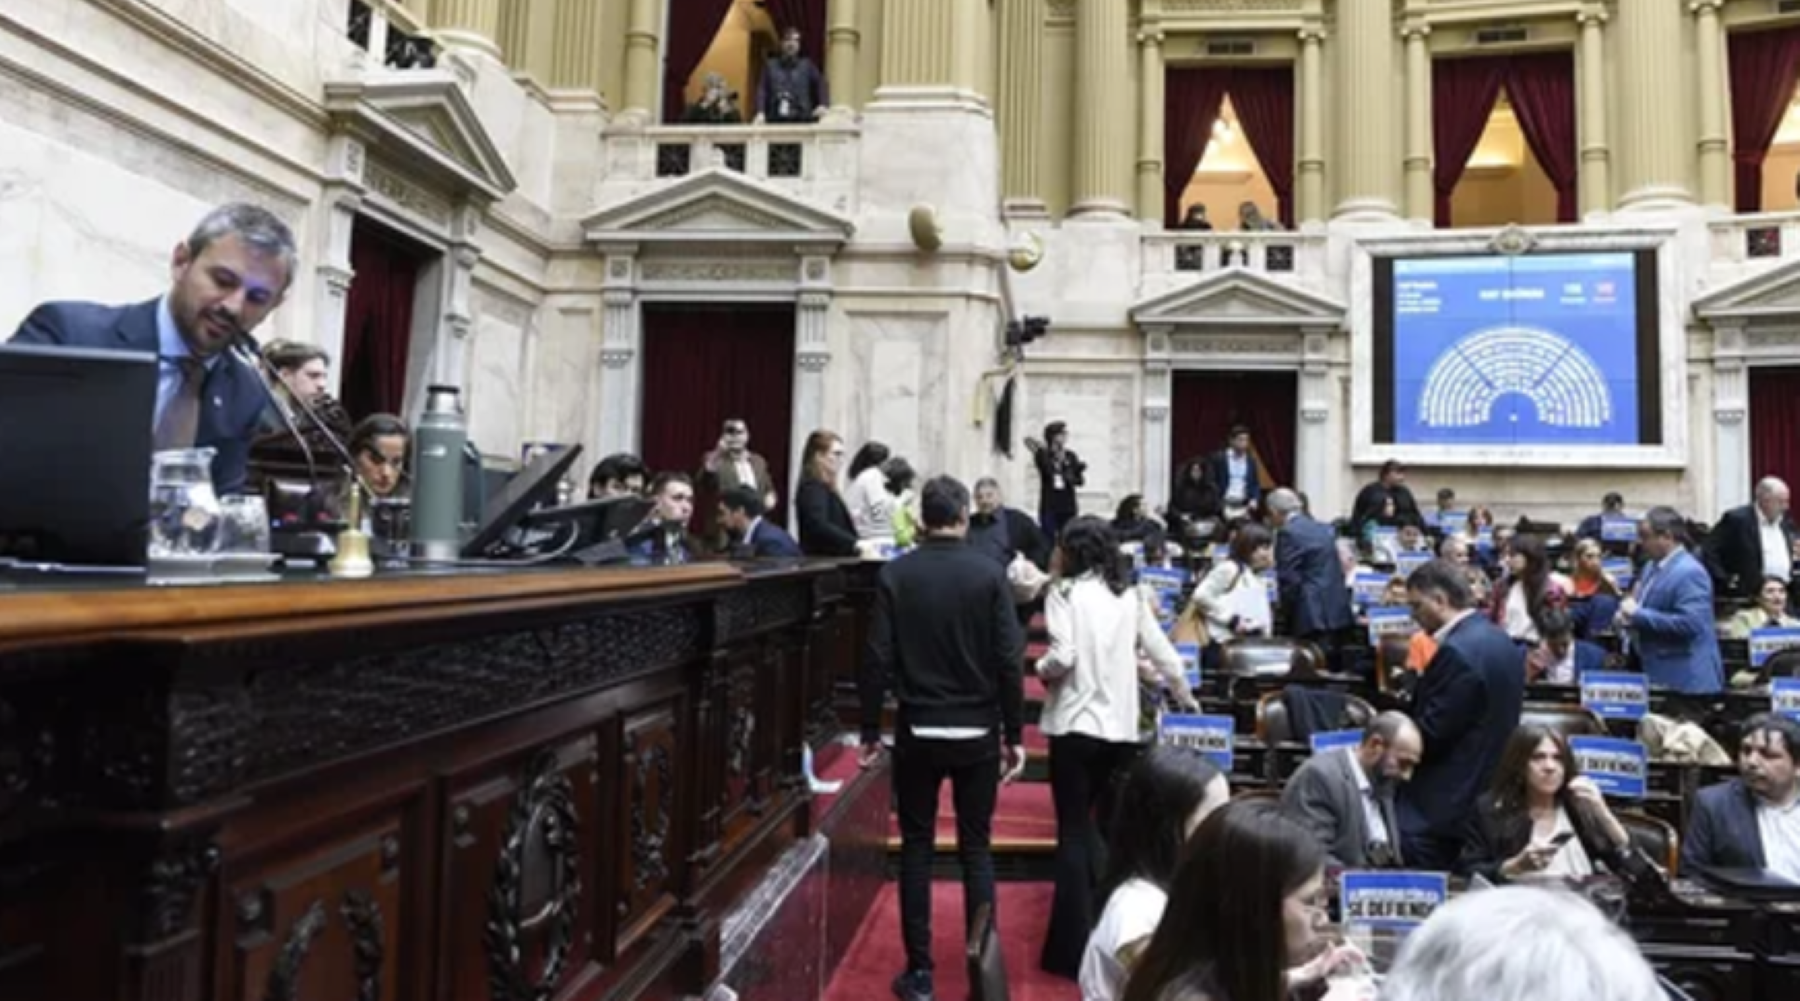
[(437, 493)]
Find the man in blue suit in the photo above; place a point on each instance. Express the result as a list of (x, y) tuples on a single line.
[(741, 515), (1727, 826), (1670, 612), (226, 278), (1314, 594), (1466, 705)]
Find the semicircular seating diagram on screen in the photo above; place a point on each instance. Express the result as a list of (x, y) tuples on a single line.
[(1555, 374)]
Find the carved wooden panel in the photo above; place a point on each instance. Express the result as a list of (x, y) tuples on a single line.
[(522, 853), (741, 711), (25, 921), (649, 843), (323, 923)]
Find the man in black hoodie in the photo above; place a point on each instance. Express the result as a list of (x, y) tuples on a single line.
[(945, 638)]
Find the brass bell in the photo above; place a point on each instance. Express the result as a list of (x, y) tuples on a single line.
[(352, 559)]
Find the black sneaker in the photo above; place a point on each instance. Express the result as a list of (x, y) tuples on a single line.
[(914, 985)]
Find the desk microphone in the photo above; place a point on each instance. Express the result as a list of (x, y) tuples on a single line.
[(249, 354)]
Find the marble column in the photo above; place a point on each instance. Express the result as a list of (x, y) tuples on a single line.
[(1150, 123), (575, 58), (812, 354), (1366, 141), (643, 58), (1652, 103), (621, 351), (1732, 474), (1310, 161), (843, 40), (471, 25), (1715, 140), (1596, 155), (1019, 105), (1313, 451), (915, 44), (340, 200), (1102, 109), (1421, 192)]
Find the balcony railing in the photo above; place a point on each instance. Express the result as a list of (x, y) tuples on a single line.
[(1765, 237), (817, 163), (1176, 253)]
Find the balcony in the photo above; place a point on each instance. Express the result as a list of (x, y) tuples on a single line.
[(1172, 258), (813, 163)]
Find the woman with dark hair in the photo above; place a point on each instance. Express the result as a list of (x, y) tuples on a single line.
[(378, 444), (1527, 590), (1171, 790), (1132, 523), (871, 508), (1195, 497), (1232, 596), (1539, 819), (1097, 622), (826, 528), (898, 481), (1060, 474), (1243, 913)]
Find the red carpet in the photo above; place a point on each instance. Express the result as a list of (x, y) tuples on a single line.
[(1034, 689), (1023, 815), (877, 954)]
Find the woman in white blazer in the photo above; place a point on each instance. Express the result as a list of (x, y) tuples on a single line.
[(1232, 596), (1097, 623)]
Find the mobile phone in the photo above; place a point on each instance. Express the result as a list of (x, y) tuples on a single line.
[(1561, 839)]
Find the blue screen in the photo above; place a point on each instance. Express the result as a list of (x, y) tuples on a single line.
[(1532, 350)]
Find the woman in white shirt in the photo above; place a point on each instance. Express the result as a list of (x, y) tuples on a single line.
[(866, 497), (1528, 589), (1170, 791), (1097, 621), (1232, 596)]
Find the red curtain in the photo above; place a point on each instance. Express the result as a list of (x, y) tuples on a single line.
[(1765, 66), (1264, 102), (809, 17), (1207, 404), (1542, 88), (691, 33), (703, 365), (1191, 104), (378, 320), (1774, 423), (1463, 92)]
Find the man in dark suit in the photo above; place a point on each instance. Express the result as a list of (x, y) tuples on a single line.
[(943, 637), (1726, 829), (1346, 797), (226, 278), (1371, 500), (741, 515), (1670, 611), (1466, 705), (1314, 594), (1752, 543), (1238, 475), (1594, 525), (1003, 532)]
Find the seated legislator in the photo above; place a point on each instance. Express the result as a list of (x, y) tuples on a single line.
[(1670, 612), (1561, 659), (662, 538), (1752, 821), (1346, 796), (1770, 612), (741, 515), (618, 475), (1539, 819), (378, 444), (225, 279)]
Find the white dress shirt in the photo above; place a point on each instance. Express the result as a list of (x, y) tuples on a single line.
[(1131, 913), (1094, 640), (1571, 861), (1777, 558), (871, 506), (1378, 832), (1238, 471), (1780, 830)]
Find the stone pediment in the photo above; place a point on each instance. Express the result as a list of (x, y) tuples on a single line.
[(717, 205), (1774, 293), (1239, 298), (422, 121)]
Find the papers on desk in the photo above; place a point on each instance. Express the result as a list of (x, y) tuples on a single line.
[(1784, 697), (1390, 901), (1616, 695), (1210, 735), (1770, 640), (1619, 767)]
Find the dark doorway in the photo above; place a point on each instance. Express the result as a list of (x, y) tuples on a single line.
[(1207, 404), (705, 363), (378, 319), (1774, 424)]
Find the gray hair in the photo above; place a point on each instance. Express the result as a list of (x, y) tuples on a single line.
[(1388, 725), (1665, 520), (988, 482), (1770, 485), (1520, 943), (259, 228), (1285, 502), (1446, 580)]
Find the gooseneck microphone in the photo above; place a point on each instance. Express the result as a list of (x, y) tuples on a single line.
[(249, 354)]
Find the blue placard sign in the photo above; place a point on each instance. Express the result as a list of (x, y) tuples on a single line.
[(1390, 620), (1771, 640), (1784, 697), (1272, 586), (1210, 735), (1190, 663), (1397, 901), (1618, 529), (1619, 767), (1221, 551), (1406, 563), (1619, 568), (1616, 695), (1368, 585), (1331, 740), (1452, 522)]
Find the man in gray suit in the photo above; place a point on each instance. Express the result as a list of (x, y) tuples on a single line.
[(1346, 796)]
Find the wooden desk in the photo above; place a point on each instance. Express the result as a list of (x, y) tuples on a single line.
[(463, 785)]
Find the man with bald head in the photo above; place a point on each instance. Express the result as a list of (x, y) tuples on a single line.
[(1313, 593), (1345, 797), (1753, 543)]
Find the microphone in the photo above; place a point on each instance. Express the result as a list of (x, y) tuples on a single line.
[(249, 354)]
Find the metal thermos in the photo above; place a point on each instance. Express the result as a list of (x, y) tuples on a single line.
[(437, 492)]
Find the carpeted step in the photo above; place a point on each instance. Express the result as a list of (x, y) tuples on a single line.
[(1022, 913), (1024, 820)]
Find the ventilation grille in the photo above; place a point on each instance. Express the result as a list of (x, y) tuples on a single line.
[(1501, 35), (1231, 47)]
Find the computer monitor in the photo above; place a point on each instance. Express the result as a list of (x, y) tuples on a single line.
[(534, 484), (75, 444)]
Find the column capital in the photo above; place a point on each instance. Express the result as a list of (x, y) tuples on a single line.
[(1592, 17), (1415, 31), (1149, 36), (1701, 8), (1312, 34)]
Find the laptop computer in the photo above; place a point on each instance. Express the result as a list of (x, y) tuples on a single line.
[(75, 445)]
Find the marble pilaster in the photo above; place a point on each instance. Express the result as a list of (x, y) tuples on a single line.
[(1150, 122), (843, 42), (1019, 104), (1732, 474), (1365, 81), (1102, 109), (1421, 194), (621, 356), (1313, 452), (1715, 139), (1596, 154), (1310, 162), (1159, 397), (469, 25), (576, 56), (1653, 157), (340, 200), (915, 46), (812, 354), (643, 58)]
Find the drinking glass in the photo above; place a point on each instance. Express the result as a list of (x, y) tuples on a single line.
[(244, 527)]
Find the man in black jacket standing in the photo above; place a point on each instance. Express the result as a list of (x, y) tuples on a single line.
[(944, 637)]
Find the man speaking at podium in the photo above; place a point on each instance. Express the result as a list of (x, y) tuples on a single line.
[(225, 279)]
